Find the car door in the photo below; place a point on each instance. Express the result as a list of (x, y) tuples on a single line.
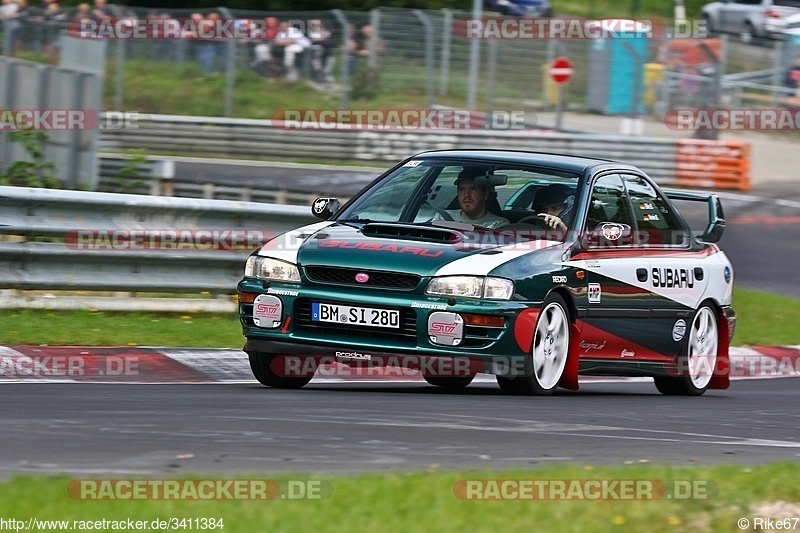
[(616, 307), (677, 276)]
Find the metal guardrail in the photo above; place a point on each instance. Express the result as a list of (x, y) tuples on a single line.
[(261, 139), (157, 177), (75, 240)]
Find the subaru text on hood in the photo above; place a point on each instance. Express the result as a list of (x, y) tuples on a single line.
[(533, 267)]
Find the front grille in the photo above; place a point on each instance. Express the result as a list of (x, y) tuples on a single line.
[(347, 276), (406, 333)]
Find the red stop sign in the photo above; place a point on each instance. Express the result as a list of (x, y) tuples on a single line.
[(561, 70)]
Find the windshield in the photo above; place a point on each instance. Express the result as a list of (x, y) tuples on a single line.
[(483, 194)]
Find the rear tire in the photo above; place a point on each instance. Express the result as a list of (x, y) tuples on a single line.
[(261, 366), (700, 361), (452, 383)]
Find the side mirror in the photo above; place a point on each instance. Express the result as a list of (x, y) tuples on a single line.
[(324, 208), (610, 234)]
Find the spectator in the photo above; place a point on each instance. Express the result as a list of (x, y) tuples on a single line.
[(292, 43), (83, 13), (262, 51), (53, 20), (371, 46), (23, 33), (187, 46), (352, 44), (206, 48), (321, 51), (365, 47), (102, 11), (792, 81), (9, 16), (163, 49)]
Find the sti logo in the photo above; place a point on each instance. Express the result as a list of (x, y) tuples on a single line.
[(443, 328), (267, 310)]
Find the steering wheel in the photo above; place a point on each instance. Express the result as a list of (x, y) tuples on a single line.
[(445, 215), (536, 220)]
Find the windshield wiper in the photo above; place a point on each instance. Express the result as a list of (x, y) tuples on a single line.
[(356, 219)]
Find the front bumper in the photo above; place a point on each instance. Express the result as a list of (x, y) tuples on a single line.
[(297, 335)]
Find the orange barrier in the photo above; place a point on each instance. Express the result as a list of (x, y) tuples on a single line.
[(714, 164)]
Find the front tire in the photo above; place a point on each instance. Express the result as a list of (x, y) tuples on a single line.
[(549, 352), (261, 365), (700, 361)]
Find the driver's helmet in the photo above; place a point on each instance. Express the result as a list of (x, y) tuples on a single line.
[(556, 194)]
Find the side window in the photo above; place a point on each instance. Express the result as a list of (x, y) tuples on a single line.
[(608, 203), (653, 215)]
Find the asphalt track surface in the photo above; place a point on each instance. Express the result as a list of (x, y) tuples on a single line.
[(90, 429), (762, 238)]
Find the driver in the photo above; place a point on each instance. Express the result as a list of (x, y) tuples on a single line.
[(472, 199), (550, 202)]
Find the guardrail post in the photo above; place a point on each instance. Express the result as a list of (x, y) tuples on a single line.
[(375, 23), (7, 38), (208, 191), (79, 84), (429, 73), (447, 39), (119, 74), (9, 103), (491, 77), (230, 66), (345, 82), (230, 75), (474, 58), (778, 70)]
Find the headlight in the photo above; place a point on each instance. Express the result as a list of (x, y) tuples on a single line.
[(472, 287), (268, 268)]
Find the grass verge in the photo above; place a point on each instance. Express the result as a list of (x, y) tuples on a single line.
[(763, 319), (94, 328), (426, 501)]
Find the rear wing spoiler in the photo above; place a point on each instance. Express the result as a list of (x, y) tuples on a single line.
[(716, 216)]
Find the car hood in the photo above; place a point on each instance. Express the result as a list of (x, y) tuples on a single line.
[(413, 249)]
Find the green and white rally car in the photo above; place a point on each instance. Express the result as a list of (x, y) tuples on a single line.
[(613, 282)]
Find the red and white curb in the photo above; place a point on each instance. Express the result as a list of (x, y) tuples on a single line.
[(76, 364)]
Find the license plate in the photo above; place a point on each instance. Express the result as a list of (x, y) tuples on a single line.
[(357, 316)]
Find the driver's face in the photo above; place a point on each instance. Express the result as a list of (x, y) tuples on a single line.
[(472, 199)]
